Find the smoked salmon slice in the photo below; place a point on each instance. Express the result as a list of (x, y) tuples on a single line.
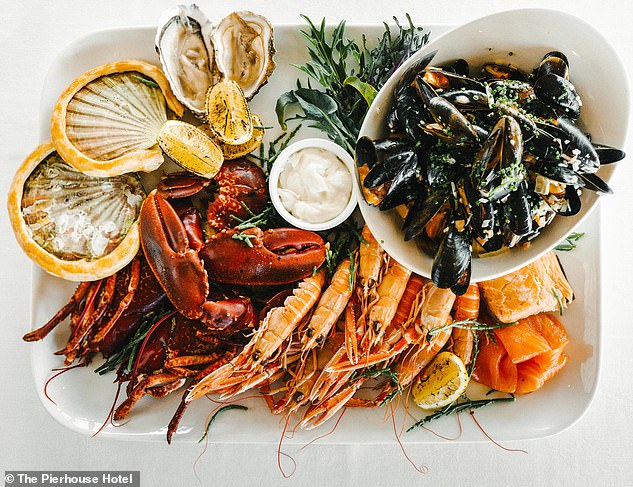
[(522, 341), (525, 355), (494, 367), (533, 373)]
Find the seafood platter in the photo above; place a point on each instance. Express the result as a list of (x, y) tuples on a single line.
[(194, 210)]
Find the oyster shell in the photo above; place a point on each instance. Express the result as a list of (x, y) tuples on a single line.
[(244, 48), (183, 44), (75, 226)]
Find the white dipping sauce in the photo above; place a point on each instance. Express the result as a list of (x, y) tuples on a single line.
[(315, 185)]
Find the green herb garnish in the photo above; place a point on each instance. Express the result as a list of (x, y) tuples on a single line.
[(244, 237), (469, 325), (352, 270), (350, 76), (570, 242), (215, 415), (146, 81), (560, 301), (458, 407), (128, 352)]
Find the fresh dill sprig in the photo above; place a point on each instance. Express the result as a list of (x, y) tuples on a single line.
[(215, 415), (570, 242), (458, 407)]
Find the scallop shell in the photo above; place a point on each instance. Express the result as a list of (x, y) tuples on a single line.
[(106, 122), (183, 44), (114, 115), (75, 226)]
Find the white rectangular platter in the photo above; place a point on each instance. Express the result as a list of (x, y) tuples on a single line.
[(83, 398)]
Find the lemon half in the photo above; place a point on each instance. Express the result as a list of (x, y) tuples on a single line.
[(190, 148), (443, 382), (228, 114)]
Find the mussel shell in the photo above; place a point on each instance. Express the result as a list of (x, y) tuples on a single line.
[(460, 130), (518, 211), (580, 146), (558, 93), (558, 172), (571, 198), (405, 186), (608, 155), (545, 145), (554, 62), (467, 99), (446, 80), (452, 261), (410, 112), (460, 66), (370, 152), (387, 169), (502, 149), (412, 71), (528, 126), (503, 71), (421, 213), (595, 183)]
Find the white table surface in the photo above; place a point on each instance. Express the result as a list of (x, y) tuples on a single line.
[(598, 450)]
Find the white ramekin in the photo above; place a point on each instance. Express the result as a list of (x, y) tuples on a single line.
[(280, 164)]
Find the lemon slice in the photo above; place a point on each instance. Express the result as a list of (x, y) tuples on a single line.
[(190, 148), (228, 114), (445, 379), (236, 151)]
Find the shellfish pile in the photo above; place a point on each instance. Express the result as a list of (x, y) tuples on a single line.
[(481, 164), (75, 201)]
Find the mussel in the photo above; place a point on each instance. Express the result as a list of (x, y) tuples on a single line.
[(485, 162)]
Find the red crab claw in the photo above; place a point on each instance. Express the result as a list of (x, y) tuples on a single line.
[(255, 257), (173, 261), (171, 240)]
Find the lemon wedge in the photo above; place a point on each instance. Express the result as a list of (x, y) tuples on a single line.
[(236, 151), (443, 381), (228, 114), (190, 148)]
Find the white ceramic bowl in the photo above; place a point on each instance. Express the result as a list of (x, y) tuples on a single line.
[(520, 37), (280, 164)]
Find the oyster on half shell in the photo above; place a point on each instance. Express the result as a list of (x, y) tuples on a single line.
[(244, 48), (195, 55), (183, 44)]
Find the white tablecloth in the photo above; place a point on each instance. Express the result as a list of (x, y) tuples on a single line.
[(596, 451)]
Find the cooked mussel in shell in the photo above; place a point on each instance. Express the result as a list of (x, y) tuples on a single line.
[(481, 163)]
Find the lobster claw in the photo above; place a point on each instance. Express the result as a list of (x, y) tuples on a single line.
[(256, 257), (173, 261)]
